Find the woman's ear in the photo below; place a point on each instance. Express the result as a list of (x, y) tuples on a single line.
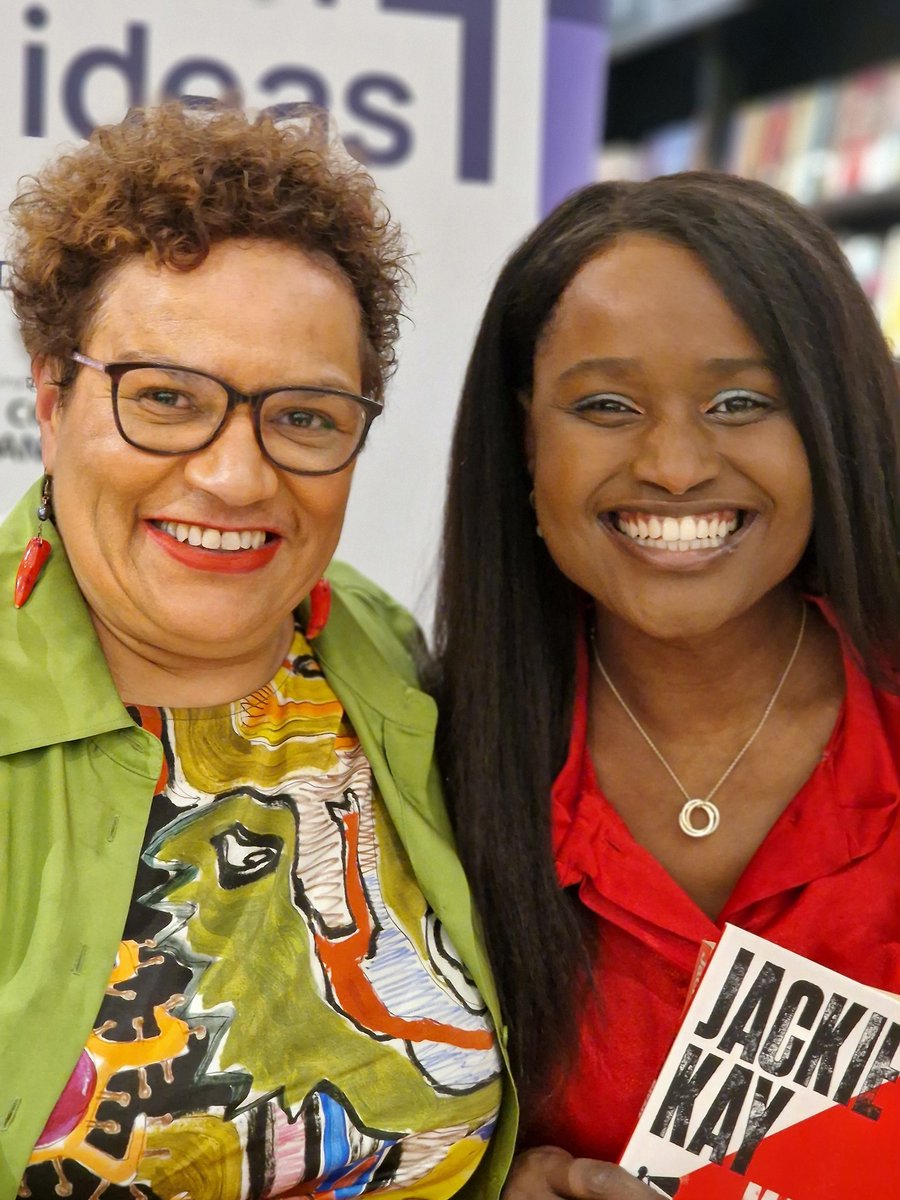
[(47, 405)]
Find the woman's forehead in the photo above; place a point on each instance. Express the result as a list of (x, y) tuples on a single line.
[(637, 296), (249, 306)]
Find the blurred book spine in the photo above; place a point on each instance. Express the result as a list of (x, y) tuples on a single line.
[(887, 294)]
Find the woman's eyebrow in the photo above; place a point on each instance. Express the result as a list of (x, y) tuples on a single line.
[(620, 367), (147, 356), (729, 366), (624, 368)]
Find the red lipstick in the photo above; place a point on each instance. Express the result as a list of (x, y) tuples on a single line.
[(221, 562)]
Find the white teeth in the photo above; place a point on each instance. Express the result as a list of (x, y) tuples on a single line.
[(678, 533), (214, 539)]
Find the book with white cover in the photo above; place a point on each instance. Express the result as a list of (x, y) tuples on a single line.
[(781, 1084)]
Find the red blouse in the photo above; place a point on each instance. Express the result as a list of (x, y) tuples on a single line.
[(825, 882)]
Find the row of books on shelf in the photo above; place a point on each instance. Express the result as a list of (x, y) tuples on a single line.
[(822, 142), (875, 259)]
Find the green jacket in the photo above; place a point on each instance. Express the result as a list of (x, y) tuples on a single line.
[(76, 782)]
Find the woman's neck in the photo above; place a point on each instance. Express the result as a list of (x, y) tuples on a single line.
[(701, 685), (699, 702), (163, 677)]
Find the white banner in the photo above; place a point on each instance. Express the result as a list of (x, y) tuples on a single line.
[(465, 111)]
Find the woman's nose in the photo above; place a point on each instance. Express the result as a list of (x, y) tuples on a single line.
[(234, 468), (677, 455)]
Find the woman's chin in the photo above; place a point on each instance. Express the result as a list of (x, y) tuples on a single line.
[(698, 616), (217, 634), (668, 618), (211, 629)]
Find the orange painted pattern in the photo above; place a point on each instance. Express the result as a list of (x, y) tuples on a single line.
[(353, 990)]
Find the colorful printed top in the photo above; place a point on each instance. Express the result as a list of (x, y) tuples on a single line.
[(286, 1016)]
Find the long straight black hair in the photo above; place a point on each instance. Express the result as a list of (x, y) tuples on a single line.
[(506, 617)]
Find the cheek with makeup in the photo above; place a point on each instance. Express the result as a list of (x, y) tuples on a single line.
[(670, 482)]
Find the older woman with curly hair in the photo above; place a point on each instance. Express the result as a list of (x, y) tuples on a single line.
[(237, 955)]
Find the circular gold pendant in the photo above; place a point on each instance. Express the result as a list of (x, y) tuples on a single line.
[(710, 814)]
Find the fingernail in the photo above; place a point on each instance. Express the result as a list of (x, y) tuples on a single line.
[(598, 1179)]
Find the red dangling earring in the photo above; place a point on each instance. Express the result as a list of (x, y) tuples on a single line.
[(36, 552), (319, 608)]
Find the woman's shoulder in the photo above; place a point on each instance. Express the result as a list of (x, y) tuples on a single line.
[(369, 601), (887, 704), (351, 582), (390, 625), (870, 725)]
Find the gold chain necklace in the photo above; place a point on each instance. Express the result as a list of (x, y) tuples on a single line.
[(705, 806)]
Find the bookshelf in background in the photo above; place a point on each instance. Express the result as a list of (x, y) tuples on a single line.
[(802, 94)]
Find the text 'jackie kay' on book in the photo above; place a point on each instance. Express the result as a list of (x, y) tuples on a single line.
[(769, 1043)]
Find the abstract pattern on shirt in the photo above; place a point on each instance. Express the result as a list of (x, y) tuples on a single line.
[(286, 1016)]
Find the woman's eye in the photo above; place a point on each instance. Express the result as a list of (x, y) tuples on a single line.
[(299, 423), (603, 406), (304, 418), (164, 398), (740, 404)]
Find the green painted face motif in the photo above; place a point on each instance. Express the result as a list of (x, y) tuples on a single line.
[(291, 973)]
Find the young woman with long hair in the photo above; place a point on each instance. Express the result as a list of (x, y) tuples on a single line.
[(667, 630)]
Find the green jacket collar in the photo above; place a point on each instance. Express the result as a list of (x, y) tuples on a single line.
[(48, 649), (348, 654), (379, 690)]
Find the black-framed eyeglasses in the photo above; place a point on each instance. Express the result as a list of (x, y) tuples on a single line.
[(166, 409)]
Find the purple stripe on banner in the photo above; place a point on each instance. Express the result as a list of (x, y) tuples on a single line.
[(591, 12), (574, 89)]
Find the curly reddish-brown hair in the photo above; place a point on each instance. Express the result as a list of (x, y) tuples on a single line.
[(172, 181)]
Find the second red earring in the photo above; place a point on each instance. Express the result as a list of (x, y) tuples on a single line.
[(319, 608)]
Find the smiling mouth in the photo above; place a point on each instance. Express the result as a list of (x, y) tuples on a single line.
[(673, 534), (206, 538)]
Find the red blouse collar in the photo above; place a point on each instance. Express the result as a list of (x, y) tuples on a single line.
[(842, 812)]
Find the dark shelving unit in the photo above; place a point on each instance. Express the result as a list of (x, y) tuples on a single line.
[(712, 55)]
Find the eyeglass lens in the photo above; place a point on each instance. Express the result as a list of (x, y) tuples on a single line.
[(177, 411)]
